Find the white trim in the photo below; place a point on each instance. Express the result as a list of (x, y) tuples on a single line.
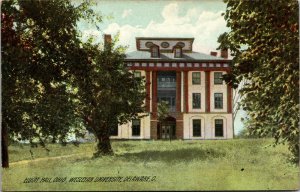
[(191, 127)]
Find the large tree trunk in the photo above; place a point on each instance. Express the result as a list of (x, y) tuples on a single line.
[(103, 145), (4, 147)]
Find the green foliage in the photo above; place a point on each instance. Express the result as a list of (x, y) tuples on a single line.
[(40, 48), (264, 42), (53, 83), (163, 109), (108, 92)]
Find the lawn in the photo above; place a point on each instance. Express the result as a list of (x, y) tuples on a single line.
[(239, 164)]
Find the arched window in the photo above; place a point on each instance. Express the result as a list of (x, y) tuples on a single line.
[(154, 51), (196, 127), (178, 52), (219, 128)]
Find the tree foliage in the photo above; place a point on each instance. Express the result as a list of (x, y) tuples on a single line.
[(163, 110), (264, 42), (108, 92), (52, 81), (40, 50)]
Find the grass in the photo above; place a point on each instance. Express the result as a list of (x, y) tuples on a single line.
[(240, 164)]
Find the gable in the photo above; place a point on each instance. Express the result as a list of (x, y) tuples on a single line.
[(164, 44)]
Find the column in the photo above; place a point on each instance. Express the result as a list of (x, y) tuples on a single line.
[(186, 91), (153, 119), (229, 99), (178, 91), (179, 115), (182, 93), (207, 91), (148, 83)]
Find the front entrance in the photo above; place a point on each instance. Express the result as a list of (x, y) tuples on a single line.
[(167, 129)]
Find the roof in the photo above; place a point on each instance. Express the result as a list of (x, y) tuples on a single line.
[(190, 56)]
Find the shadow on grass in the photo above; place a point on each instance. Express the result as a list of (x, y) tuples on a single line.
[(178, 155)]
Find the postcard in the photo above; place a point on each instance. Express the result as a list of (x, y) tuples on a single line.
[(151, 95)]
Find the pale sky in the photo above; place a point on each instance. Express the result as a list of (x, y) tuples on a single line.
[(200, 19)]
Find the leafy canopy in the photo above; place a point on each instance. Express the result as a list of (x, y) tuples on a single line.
[(108, 92), (40, 50), (264, 42)]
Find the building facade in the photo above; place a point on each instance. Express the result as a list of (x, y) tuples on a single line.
[(190, 82)]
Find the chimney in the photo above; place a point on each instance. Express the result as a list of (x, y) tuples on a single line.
[(224, 53), (107, 39), (213, 53)]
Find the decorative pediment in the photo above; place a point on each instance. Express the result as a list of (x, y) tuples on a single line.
[(164, 44)]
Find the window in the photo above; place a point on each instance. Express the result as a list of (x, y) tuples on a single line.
[(149, 44), (218, 78), (196, 100), (136, 127), (219, 128), (180, 44), (137, 74), (155, 51), (196, 128), (178, 52), (165, 44), (218, 100), (196, 78)]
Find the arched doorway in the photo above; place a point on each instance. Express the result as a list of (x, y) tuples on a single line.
[(167, 128)]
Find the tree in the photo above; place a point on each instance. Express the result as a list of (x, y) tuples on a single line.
[(108, 92), (264, 42), (40, 48), (163, 109)]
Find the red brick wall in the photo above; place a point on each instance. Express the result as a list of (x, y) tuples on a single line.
[(154, 95), (178, 91), (179, 129), (148, 84), (229, 99), (207, 91), (153, 129), (186, 91)]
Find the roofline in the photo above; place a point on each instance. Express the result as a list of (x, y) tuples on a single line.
[(164, 38), (179, 60)]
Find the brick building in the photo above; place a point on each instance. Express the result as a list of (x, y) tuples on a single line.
[(190, 82)]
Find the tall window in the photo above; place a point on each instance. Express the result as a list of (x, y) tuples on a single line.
[(219, 128), (218, 100), (196, 100), (196, 127), (218, 78), (196, 78), (136, 127), (178, 52), (155, 51), (137, 74)]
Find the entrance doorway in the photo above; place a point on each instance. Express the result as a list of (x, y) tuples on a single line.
[(167, 128)]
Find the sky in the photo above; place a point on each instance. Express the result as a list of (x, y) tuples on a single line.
[(200, 19)]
